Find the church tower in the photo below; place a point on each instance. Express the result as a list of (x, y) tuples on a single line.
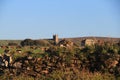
[(55, 38)]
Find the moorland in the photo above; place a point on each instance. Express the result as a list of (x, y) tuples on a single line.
[(83, 58)]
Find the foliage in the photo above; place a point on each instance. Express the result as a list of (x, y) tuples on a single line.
[(96, 62), (30, 42), (12, 44)]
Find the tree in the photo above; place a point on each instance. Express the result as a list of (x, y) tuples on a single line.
[(27, 42), (12, 44)]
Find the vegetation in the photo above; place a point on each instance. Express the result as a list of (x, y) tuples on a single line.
[(29, 42), (95, 62)]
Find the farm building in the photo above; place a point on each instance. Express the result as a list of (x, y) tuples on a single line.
[(88, 42)]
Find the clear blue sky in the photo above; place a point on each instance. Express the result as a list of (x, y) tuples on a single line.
[(38, 19)]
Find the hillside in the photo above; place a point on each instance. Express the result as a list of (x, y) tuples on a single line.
[(38, 61), (76, 40), (5, 42)]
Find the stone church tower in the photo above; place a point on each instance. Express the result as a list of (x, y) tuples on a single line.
[(55, 38)]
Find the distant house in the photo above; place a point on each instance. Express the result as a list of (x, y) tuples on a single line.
[(65, 43), (88, 42)]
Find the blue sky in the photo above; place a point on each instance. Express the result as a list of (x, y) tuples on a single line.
[(38, 19)]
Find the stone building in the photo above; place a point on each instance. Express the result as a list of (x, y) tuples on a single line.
[(56, 39), (88, 42), (65, 43)]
